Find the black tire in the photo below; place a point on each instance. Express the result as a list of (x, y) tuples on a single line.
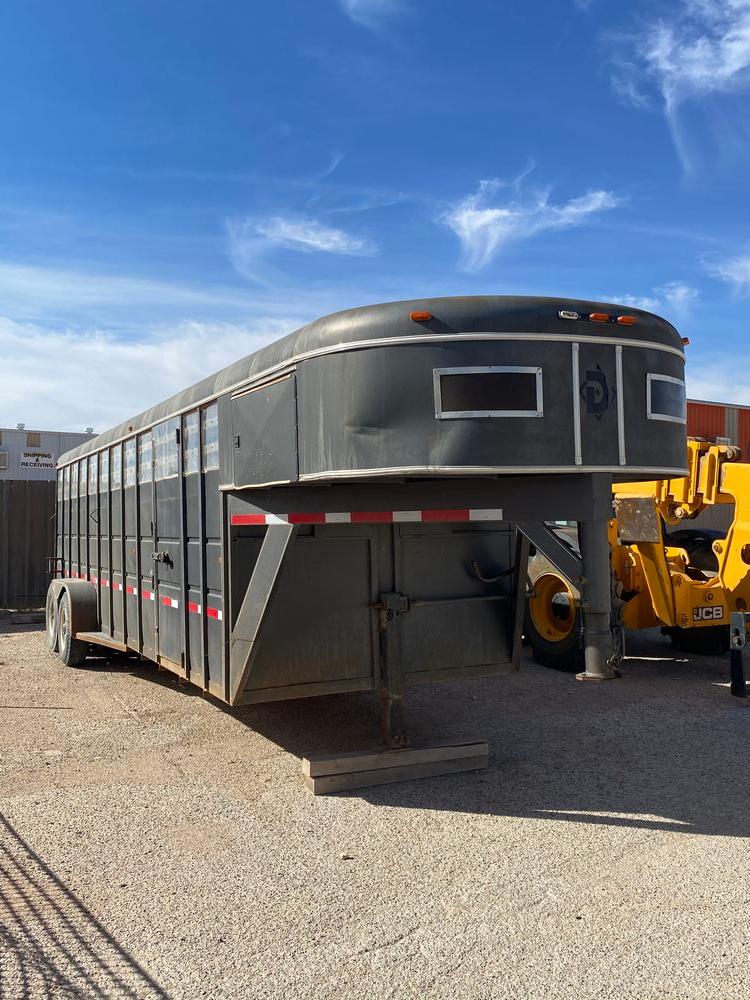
[(71, 651), (698, 543), (51, 621), (564, 650)]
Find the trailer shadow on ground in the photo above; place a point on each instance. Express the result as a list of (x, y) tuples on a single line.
[(50, 943), (664, 748)]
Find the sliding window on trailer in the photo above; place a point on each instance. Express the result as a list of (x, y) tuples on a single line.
[(493, 391)]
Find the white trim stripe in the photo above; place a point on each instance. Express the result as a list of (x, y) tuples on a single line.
[(257, 380)]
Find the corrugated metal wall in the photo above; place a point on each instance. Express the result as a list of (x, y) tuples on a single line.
[(27, 537), (706, 420)]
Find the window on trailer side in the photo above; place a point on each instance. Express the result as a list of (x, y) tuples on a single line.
[(145, 458), (104, 471), (116, 466), (166, 444), (130, 462), (191, 443), (93, 468), (82, 477), (210, 437)]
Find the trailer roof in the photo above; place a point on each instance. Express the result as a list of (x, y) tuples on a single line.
[(354, 328)]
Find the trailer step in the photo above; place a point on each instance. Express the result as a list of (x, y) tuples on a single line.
[(102, 639), (325, 773)]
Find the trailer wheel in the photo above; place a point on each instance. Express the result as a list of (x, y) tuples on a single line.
[(71, 651), (553, 623), (51, 619)]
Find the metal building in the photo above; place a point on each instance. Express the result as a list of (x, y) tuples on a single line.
[(32, 455), (337, 512), (28, 462), (714, 421)]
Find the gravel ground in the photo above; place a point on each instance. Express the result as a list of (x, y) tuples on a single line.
[(155, 845)]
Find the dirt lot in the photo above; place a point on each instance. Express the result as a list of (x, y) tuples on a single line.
[(154, 845)]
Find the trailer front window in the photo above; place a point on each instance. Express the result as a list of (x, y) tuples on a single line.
[(665, 398), (493, 391)]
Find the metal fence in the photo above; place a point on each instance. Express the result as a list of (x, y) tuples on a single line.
[(27, 538)]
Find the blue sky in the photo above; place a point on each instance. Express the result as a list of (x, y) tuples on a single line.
[(182, 182)]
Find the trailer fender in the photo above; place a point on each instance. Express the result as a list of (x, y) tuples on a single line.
[(82, 603)]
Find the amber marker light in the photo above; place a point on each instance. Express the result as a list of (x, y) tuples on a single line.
[(599, 317), (420, 317), (627, 320)]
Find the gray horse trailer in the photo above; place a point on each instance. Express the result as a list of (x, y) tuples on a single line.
[(338, 511)]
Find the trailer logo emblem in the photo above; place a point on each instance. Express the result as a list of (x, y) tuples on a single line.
[(596, 393)]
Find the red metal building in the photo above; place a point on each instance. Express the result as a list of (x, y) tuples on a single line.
[(720, 420)]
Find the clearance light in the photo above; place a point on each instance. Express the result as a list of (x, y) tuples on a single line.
[(599, 317), (627, 320), (685, 341), (568, 314), (420, 317)]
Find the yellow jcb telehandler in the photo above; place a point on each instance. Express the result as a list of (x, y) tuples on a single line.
[(687, 580)]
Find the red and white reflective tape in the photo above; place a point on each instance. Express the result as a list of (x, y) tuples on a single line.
[(148, 595), (169, 602), (103, 582), (129, 589), (93, 579), (193, 608), (214, 613), (371, 517), (116, 585)]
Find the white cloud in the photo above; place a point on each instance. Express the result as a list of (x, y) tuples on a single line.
[(716, 380), (483, 226), (705, 49), (673, 297), (702, 50), (372, 14), (310, 236), (30, 291), (102, 378), (734, 270), (250, 241), (678, 295)]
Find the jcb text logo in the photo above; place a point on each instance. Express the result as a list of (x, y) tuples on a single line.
[(711, 613)]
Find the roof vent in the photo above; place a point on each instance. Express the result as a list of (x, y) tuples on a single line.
[(89, 430), (20, 427)]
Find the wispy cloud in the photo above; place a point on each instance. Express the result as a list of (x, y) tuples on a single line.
[(309, 236), (251, 240), (715, 378), (702, 50), (672, 298), (485, 222), (734, 271), (372, 14), (38, 360), (678, 295)]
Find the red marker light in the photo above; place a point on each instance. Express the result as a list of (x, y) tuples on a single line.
[(599, 317), (420, 317), (627, 320)]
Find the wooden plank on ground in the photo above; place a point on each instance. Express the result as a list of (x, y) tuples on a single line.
[(340, 772)]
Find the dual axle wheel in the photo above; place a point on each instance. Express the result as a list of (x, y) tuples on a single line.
[(60, 639)]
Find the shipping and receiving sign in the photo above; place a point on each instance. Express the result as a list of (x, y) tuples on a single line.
[(37, 460)]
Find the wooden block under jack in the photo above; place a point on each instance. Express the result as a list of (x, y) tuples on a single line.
[(339, 772)]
